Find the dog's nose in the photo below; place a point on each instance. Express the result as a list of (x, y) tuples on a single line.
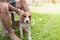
[(26, 21)]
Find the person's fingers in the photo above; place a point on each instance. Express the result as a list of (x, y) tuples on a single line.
[(20, 12)]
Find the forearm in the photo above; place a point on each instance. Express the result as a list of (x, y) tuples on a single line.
[(13, 8), (24, 5)]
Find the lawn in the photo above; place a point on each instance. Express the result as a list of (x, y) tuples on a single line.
[(46, 27), (43, 27)]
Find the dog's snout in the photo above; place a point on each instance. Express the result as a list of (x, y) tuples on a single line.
[(27, 21)]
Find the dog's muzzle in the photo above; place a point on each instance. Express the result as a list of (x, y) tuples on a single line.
[(27, 20)]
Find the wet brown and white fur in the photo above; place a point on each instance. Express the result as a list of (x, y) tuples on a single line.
[(25, 20)]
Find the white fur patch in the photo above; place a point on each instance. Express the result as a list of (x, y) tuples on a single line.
[(24, 25), (27, 19)]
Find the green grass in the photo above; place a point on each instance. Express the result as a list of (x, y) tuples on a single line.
[(46, 29)]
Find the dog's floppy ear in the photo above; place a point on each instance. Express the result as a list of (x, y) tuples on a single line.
[(22, 18)]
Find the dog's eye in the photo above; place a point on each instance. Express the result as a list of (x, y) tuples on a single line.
[(24, 16), (29, 16)]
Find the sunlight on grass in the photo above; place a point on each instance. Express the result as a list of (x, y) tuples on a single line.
[(47, 8), (47, 29)]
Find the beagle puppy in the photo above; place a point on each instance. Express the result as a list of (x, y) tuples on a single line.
[(25, 20)]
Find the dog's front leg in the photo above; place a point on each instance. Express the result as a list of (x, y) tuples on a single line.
[(21, 32), (29, 34)]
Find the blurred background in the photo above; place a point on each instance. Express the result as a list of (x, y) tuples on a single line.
[(45, 6), (42, 1)]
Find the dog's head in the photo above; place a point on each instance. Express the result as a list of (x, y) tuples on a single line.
[(26, 17)]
